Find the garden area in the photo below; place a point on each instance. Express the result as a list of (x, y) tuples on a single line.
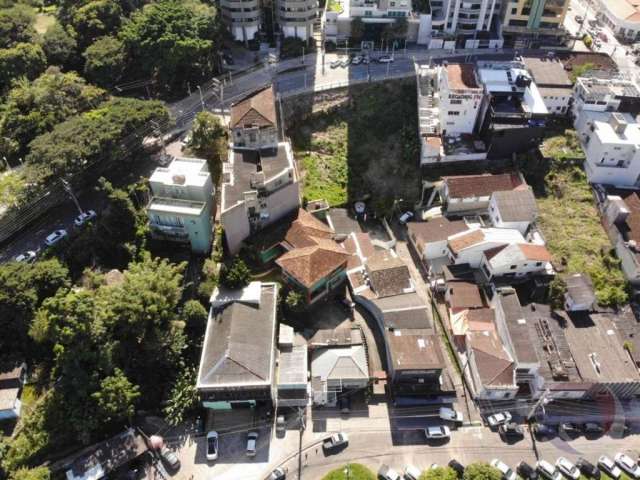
[(569, 219), (365, 149)]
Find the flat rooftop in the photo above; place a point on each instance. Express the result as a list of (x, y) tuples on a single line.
[(415, 350), (176, 206), (461, 76), (548, 72), (607, 134), (292, 366), (599, 88), (519, 329), (182, 171), (245, 164)]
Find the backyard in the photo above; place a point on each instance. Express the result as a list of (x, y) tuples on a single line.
[(569, 219), (366, 149)]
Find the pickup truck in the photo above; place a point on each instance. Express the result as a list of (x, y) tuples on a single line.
[(334, 441)]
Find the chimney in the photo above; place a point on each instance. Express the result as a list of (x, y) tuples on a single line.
[(618, 122)]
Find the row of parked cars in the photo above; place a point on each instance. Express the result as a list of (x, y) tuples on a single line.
[(543, 470), (360, 59), (57, 236), (565, 468)]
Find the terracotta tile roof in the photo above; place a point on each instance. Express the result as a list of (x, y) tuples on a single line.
[(258, 109), (537, 253), (388, 275), (494, 365), (461, 76), (310, 264), (436, 230), (464, 295), (304, 231), (465, 240), (633, 219), (464, 186), (492, 252)]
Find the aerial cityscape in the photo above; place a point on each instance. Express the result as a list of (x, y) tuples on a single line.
[(320, 239)]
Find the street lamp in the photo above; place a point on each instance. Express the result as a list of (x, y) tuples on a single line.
[(201, 98)]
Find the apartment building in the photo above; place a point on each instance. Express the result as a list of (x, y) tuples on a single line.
[(531, 23), (621, 16), (465, 17), (181, 205), (607, 94), (245, 18), (260, 180)]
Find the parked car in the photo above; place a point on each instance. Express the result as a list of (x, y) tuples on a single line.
[(345, 63), (510, 430), (526, 471), (252, 441), (28, 257), (603, 36), (281, 424), (579, 19), (588, 468), (405, 217), (84, 217), (279, 473), (438, 432), (411, 472), (335, 440), (357, 60), (228, 59), (170, 458), (450, 414), (609, 467), (591, 427), (542, 430), (54, 237), (366, 60), (344, 404), (387, 473), (456, 466), (505, 470), (547, 470), (212, 446), (335, 64), (568, 468), (498, 419), (570, 428), (185, 140), (385, 59), (626, 463)]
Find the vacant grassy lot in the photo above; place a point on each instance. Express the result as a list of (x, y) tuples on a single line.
[(365, 149), (570, 222), (43, 22)]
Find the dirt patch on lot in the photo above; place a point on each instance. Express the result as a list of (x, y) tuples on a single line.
[(596, 61)]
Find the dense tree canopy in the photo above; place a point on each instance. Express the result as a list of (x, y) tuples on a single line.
[(208, 141), (34, 108), (172, 42), (59, 45), (439, 473), (16, 26), (105, 61), (95, 19), (481, 471), (22, 60)]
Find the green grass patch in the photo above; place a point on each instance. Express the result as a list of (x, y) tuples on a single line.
[(351, 471), (43, 22), (570, 222), (580, 70), (365, 149)]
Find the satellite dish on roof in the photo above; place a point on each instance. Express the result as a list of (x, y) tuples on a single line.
[(359, 207)]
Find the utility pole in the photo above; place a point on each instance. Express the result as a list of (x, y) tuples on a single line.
[(535, 407), (67, 187), (201, 98), (302, 429)]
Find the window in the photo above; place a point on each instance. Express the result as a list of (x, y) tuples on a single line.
[(367, 13), (514, 11), (453, 113), (538, 264), (513, 267), (455, 102), (506, 395)]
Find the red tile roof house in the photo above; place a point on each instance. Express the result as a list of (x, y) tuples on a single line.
[(314, 263), (466, 194)]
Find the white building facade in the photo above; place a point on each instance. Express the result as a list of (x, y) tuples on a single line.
[(460, 99)]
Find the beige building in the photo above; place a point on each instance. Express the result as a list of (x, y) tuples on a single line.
[(622, 16), (528, 23)]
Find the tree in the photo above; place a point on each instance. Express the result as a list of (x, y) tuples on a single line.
[(439, 473), (116, 398), (95, 19), (195, 317), (59, 45), (16, 26), (34, 108), (235, 276), (481, 471), (209, 141), (37, 473), (173, 42), (23, 288), (557, 289), (105, 61), (209, 279), (183, 398), (22, 60), (294, 301), (357, 29), (292, 47)]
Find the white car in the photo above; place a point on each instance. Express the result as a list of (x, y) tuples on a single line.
[(450, 414), (29, 257), (212, 446), (357, 60), (411, 472), (507, 473), (252, 441), (548, 471), (405, 217), (385, 59), (387, 473), (438, 432), (609, 467), (568, 468), (279, 473), (84, 217), (626, 463), (54, 237), (498, 419)]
